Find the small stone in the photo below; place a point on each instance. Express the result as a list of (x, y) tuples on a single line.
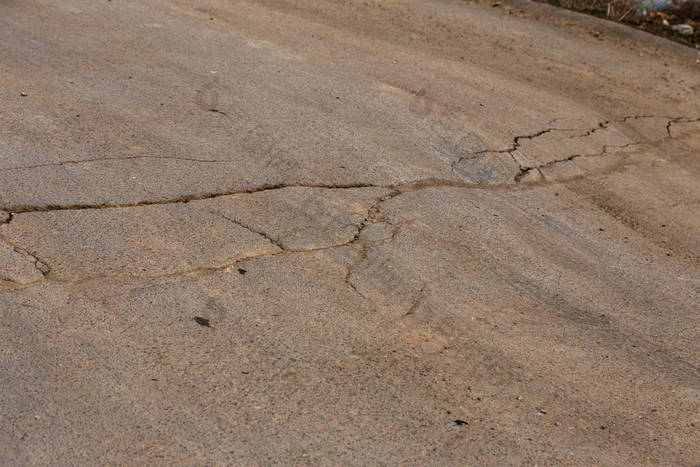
[(683, 29), (202, 321), (23, 94)]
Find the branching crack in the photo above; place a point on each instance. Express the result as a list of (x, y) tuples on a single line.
[(371, 216), (45, 269), (679, 120), (509, 150), (523, 170)]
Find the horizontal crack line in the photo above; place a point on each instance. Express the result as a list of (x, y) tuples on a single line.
[(22, 208), (405, 186)]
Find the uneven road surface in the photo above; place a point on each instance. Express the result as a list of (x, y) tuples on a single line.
[(345, 232)]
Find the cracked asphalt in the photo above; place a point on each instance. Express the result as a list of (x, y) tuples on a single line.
[(345, 232)]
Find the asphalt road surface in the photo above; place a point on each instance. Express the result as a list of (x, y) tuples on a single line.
[(345, 232)]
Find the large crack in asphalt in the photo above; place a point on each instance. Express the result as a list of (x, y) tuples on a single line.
[(371, 216), (22, 208), (414, 184), (524, 170), (45, 268)]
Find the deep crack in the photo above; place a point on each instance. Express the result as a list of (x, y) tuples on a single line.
[(405, 186), (22, 208), (524, 170), (370, 218), (372, 214)]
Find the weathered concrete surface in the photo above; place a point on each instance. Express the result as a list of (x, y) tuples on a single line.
[(422, 232)]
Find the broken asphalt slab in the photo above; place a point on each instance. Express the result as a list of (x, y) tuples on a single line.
[(311, 231)]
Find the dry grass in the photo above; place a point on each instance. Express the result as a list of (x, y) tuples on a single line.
[(615, 9), (643, 15), (620, 10)]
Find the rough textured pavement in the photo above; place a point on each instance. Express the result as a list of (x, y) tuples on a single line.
[(411, 231)]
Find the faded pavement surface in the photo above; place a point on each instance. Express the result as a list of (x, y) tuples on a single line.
[(422, 232)]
